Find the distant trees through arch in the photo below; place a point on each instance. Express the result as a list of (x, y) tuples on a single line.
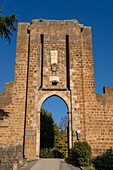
[(54, 128)]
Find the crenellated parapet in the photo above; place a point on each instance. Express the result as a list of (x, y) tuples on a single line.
[(6, 96)]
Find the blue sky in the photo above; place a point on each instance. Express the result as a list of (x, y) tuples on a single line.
[(95, 13), (57, 107)]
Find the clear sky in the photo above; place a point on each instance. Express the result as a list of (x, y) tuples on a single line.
[(95, 13), (57, 107)]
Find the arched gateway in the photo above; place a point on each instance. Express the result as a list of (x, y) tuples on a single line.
[(45, 96), (53, 58)]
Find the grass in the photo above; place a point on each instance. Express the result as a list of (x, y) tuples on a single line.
[(88, 168)]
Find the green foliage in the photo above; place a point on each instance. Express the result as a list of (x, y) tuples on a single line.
[(88, 167), (45, 152), (62, 139), (55, 153), (53, 139), (81, 153), (46, 130), (50, 153), (7, 26), (56, 135), (62, 144), (105, 161)]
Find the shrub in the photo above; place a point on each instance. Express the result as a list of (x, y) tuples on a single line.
[(45, 152), (50, 153), (55, 153), (81, 153), (105, 161)]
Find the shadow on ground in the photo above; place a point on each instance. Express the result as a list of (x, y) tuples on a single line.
[(67, 164), (29, 165), (63, 165)]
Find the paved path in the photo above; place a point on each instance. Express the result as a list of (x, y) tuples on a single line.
[(49, 164)]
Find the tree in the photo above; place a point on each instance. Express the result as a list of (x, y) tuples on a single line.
[(46, 130), (62, 144), (7, 26), (61, 137), (53, 138), (56, 135), (0, 8), (63, 123)]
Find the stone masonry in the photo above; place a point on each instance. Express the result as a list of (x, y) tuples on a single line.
[(53, 58)]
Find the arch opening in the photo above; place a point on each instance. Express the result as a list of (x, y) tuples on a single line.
[(54, 128)]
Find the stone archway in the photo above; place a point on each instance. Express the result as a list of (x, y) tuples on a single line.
[(44, 96)]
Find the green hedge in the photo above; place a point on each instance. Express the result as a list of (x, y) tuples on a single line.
[(81, 153), (45, 153), (105, 161), (50, 153)]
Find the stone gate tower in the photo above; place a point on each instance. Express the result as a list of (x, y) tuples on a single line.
[(53, 58)]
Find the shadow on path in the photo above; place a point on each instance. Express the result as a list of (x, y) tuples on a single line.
[(67, 165), (49, 164), (29, 165)]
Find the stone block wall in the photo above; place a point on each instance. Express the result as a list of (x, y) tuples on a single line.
[(10, 154), (72, 68), (13, 110), (99, 122)]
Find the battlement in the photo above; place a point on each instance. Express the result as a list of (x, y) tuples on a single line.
[(108, 90), (6, 96)]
